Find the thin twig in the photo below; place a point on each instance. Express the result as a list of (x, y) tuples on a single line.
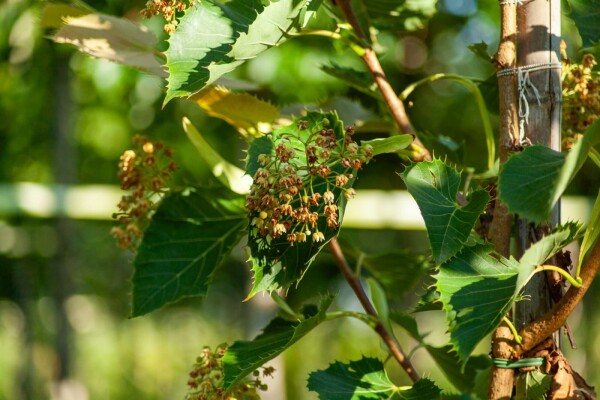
[(356, 286), (395, 105)]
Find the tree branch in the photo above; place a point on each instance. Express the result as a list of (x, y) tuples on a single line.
[(540, 329), (395, 105), (356, 286)]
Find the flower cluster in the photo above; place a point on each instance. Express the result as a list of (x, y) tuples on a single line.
[(206, 379), (144, 173), (168, 9), (581, 98), (295, 187)]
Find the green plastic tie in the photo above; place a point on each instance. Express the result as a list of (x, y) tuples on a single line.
[(523, 362)]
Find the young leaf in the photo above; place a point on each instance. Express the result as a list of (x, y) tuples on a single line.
[(213, 39), (532, 181), (476, 289), (251, 116), (231, 176), (390, 144), (532, 385), (480, 50), (365, 379), (243, 357), (586, 14), (548, 246), (592, 231), (190, 235), (277, 262), (435, 186), (114, 39)]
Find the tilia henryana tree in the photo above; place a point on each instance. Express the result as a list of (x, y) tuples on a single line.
[(302, 174)]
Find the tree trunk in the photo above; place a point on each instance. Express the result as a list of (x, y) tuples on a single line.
[(539, 43)]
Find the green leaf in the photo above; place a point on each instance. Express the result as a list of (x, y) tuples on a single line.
[(275, 261), (379, 299), (480, 50), (451, 365), (390, 144), (251, 116), (398, 271), (586, 15), (445, 357), (435, 186), (365, 379), (532, 385), (429, 301), (54, 14), (409, 324), (231, 176), (213, 39), (592, 231), (359, 80), (477, 288), (243, 357), (408, 15), (545, 248), (532, 181), (189, 236), (114, 39)]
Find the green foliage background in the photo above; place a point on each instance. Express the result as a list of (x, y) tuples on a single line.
[(66, 118)]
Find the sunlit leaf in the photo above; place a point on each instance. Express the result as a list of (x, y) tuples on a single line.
[(275, 261), (114, 39), (231, 176), (243, 357), (366, 379), (586, 14), (548, 246), (390, 144), (476, 288), (190, 235), (434, 185), (592, 231), (213, 39), (248, 114), (532, 181), (54, 14)]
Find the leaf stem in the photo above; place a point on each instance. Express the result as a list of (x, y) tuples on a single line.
[(360, 293), (366, 318), (512, 328), (573, 281), (485, 117), (284, 306)]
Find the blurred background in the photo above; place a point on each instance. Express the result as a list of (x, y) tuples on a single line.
[(64, 287)]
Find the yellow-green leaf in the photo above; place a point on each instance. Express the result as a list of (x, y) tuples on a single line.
[(251, 116)]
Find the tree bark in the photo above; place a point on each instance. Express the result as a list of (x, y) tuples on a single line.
[(501, 383)]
